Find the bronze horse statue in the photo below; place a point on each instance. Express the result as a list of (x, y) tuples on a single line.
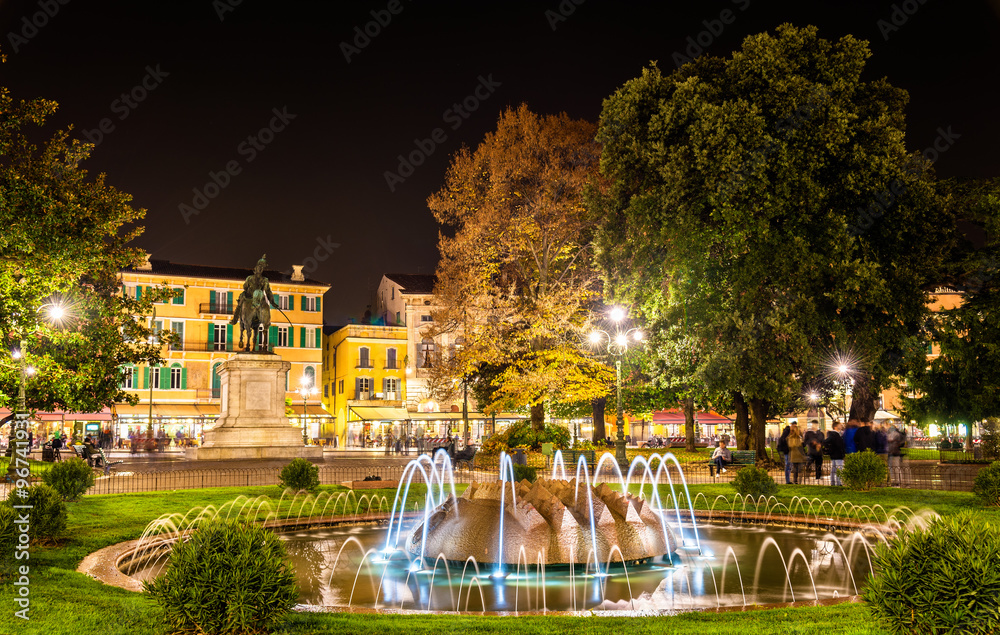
[(253, 309)]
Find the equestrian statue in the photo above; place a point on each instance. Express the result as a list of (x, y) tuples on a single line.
[(253, 309)]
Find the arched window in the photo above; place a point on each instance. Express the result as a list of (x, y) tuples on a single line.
[(364, 357), (216, 380), (390, 358), (310, 376), (178, 377), (427, 353)]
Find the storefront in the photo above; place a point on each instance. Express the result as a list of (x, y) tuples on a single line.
[(670, 423)]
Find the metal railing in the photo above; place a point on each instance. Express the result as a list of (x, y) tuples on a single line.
[(216, 308)]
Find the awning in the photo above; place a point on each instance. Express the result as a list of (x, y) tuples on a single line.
[(179, 410), (676, 417), (370, 413), (105, 415), (445, 416), (882, 415), (311, 410)]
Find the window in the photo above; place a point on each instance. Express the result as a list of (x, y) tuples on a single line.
[(219, 340), (427, 352), (391, 387), (176, 374), (363, 360), (398, 323), (341, 387), (284, 303), (282, 339), (393, 292), (128, 378), (364, 388), (260, 337), (390, 358), (216, 381), (179, 297), (326, 391), (310, 376), (426, 318), (310, 303), (154, 378), (178, 329)]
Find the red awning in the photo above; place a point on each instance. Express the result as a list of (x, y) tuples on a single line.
[(676, 417), (105, 415)]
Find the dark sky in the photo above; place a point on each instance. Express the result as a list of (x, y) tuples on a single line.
[(322, 178)]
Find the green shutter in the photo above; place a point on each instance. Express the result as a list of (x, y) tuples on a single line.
[(145, 377), (138, 292), (302, 337), (302, 303), (319, 337), (211, 336), (229, 301), (211, 300), (229, 336), (184, 379), (291, 302), (179, 299), (291, 336), (272, 335), (319, 304)]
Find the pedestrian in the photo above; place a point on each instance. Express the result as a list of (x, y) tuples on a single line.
[(864, 438), (796, 452), (782, 449), (814, 446), (881, 442), (850, 430), (895, 442), (834, 446), (388, 444), (721, 456)]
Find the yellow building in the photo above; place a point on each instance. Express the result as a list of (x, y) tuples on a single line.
[(185, 391), (364, 381)]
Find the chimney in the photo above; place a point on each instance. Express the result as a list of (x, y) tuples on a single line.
[(145, 265), (297, 273)]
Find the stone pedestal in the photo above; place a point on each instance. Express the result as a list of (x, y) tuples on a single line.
[(252, 422)]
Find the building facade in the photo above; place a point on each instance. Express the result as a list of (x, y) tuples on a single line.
[(185, 391)]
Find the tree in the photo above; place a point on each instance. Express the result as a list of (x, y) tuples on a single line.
[(515, 276), (64, 241), (769, 201)]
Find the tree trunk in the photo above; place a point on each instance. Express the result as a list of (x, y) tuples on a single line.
[(864, 403), (688, 405), (538, 416), (598, 405), (758, 427), (742, 425)]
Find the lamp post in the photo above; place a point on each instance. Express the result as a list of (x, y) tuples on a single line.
[(617, 345), (844, 372), (306, 389)]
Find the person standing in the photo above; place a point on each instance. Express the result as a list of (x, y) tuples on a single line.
[(796, 452), (834, 446), (782, 449), (814, 446), (864, 438), (850, 430), (895, 442)]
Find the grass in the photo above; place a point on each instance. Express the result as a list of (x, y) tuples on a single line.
[(37, 467), (63, 601)]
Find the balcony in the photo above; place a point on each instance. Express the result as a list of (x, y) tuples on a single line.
[(364, 362), (391, 364), (218, 347), (216, 308)]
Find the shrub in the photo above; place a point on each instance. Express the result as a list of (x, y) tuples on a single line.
[(943, 579), (8, 540), (990, 444), (300, 474), (47, 514), (521, 434), (863, 471), (522, 472), (228, 577), (987, 485), (754, 481), (70, 478)]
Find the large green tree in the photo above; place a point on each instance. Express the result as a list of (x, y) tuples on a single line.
[(769, 198), (516, 276), (63, 243)]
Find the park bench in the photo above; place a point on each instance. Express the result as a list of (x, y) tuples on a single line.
[(100, 461), (740, 457), (465, 457), (571, 457)]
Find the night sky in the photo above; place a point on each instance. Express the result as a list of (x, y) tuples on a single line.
[(212, 84)]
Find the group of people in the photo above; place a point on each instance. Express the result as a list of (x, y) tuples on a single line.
[(805, 451)]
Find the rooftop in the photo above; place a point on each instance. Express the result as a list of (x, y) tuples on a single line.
[(167, 268), (413, 283)]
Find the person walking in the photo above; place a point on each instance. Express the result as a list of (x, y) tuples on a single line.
[(796, 452), (895, 442), (834, 447), (814, 446), (782, 449)]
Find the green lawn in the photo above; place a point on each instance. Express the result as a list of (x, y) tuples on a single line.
[(64, 601)]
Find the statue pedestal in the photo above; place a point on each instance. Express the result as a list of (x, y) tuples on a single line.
[(252, 422)]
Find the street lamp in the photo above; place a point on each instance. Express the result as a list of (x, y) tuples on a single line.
[(617, 345), (844, 372), (306, 389)]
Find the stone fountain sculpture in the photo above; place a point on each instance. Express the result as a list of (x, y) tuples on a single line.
[(551, 519)]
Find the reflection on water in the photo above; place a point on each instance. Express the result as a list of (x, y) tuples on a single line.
[(346, 566)]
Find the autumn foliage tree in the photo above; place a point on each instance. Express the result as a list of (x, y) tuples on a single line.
[(516, 275), (64, 240)]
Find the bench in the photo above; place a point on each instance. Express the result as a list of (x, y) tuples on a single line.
[(571, 457), (99, 460), (740, 457)]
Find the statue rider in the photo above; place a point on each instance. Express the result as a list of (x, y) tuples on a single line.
[(256, 290)]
